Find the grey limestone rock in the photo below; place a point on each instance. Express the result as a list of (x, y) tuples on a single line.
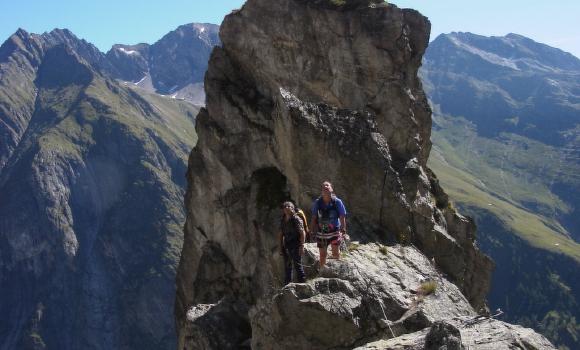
[(443, 335), (217, 326), (301, 92), (373, 291), (462, 333)]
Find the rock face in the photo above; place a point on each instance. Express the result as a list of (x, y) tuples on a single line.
[(379, 292), (90, 171), (374, 291), (465, 333), (328, 90)]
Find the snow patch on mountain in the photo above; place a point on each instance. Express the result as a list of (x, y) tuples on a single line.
[(128, 52), (487, 56)]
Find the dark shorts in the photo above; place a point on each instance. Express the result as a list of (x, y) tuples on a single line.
[(323, 243)]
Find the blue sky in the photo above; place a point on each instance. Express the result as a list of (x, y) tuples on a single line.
[(107, 22)]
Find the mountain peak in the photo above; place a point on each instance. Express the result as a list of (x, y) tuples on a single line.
[(19, 37), (21, 41), (513, 51), (62, 31), (201, 26), (515, 36), (206, 32), (60, 36), (21, 33)]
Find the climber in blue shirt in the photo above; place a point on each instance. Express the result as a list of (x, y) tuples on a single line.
[(328, 222)]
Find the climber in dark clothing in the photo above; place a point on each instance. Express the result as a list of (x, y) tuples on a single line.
[(292, 237)]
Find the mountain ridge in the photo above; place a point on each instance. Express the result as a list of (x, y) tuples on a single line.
[(174, 64), (98, 167), (516, 46), (506, 143)]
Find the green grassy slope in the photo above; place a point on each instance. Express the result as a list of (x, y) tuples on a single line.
[(491, 175), (507, 184)]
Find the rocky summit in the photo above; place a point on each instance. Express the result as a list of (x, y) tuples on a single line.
[(300, 92)]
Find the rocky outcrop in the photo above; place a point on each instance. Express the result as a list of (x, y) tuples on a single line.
[(465, 333), (374, 292), (393, 296), (328, 90)]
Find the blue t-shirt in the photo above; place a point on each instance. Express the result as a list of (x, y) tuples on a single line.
[(328, 214)]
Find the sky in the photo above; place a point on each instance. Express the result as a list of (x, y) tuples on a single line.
[(108, 22)]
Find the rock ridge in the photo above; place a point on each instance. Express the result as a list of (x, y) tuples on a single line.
[(321, 92)]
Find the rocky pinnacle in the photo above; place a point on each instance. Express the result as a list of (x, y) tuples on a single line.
[(301, 92)]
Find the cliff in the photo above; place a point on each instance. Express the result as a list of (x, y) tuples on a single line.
[(90, 174), (300, 92)]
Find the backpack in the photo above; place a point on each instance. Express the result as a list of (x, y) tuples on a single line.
[(300, 213)]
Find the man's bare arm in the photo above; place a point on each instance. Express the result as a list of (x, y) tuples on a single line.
[(313, 225)]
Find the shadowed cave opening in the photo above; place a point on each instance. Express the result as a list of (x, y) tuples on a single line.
[(272, 188)]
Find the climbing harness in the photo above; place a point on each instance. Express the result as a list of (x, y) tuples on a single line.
[(327, 236)]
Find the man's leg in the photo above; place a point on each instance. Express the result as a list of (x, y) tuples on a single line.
[(287, 267), (335, 247), (297, 260), (322, 247), (335, 251)]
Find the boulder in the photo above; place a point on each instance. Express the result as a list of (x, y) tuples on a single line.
[(373, 291), (465, 333)]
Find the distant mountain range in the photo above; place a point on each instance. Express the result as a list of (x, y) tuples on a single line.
[(92, 178), (506, 134), (94, 146), (175, 65)]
